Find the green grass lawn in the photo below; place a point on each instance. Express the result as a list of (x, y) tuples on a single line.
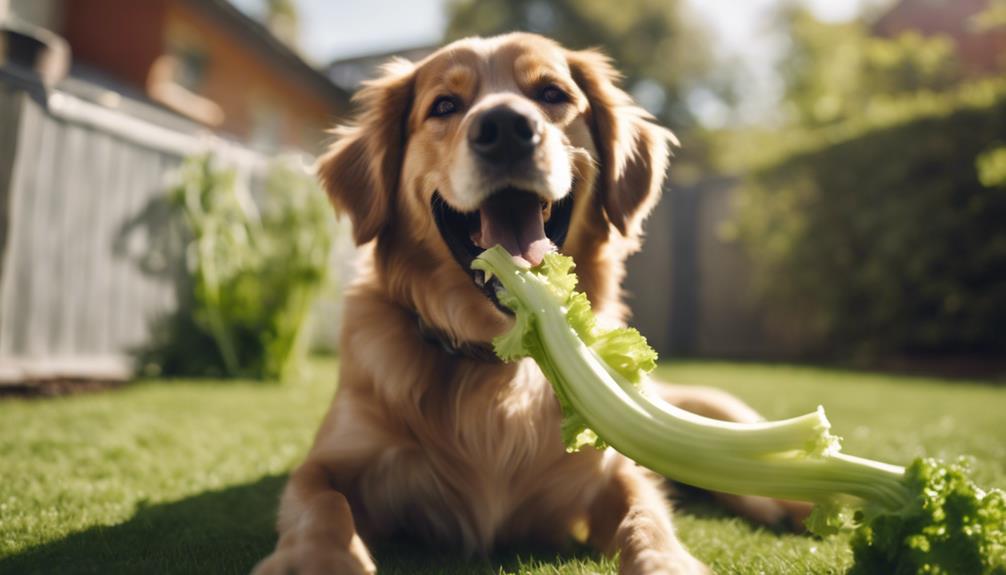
[(183, 476)]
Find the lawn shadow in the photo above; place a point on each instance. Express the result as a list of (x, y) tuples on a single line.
[(408, 557), (700, 504), (228, 531), (224, 531)]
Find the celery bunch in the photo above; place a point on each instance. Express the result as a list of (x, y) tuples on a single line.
[(930, 519)]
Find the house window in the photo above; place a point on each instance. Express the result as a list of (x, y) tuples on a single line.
[(191, 67), (177, 78)]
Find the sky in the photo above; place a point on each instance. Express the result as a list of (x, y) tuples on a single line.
[(741, 31), (341, 28), (332, 29)]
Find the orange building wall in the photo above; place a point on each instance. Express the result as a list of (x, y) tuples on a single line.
[(122, 38), (239, 79)]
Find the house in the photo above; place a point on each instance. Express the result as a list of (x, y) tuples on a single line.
[(981, 48), (349, 73), (204, 60), (100, 102)]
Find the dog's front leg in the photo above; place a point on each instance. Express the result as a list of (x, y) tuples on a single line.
[(631, 516), (317, 532)]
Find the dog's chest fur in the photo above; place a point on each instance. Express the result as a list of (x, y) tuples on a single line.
[(459, 452)]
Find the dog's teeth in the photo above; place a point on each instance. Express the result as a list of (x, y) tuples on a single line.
[(488, 275)]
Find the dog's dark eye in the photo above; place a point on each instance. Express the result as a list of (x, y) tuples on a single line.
[(552, 95), (444, 106)]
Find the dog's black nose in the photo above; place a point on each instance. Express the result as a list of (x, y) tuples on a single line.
[(503, 135)]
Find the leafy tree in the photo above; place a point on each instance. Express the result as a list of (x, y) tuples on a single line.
[(835, 71), (873, 214), (660, 51), (890, 237)]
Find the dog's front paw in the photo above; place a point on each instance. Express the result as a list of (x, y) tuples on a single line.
[(315, 560), (664, 563)]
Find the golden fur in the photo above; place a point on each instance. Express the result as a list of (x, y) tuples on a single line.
[(461, 452)]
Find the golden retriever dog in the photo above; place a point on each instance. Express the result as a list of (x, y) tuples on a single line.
[(511, 140)]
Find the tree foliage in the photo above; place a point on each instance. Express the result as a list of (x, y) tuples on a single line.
[(893, 234), (660, 51), (877, 206), (835, 71)]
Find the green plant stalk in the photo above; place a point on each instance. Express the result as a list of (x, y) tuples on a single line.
[(791, 459), (296, 323), (207, 275), (253, 276)]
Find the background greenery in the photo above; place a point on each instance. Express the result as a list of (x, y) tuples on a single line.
[(885, 233), (183, 476), (255, 266), (872, 212)]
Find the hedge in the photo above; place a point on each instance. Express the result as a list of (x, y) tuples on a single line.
[(884, 231)]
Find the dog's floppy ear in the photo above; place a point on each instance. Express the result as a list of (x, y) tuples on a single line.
[(633, 150), (361, 169)]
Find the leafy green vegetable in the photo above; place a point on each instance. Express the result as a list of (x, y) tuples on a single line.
[(254, 269), (930, 519), (950, 526)]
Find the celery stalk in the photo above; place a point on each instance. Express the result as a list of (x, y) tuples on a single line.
[(596, 375)]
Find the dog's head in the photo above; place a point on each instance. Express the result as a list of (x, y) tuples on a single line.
[(510, 140)]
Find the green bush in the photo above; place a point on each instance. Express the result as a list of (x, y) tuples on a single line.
[(834, 71), (892, 229), (254, 270)]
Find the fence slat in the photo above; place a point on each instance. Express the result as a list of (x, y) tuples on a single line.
[(13, 318)]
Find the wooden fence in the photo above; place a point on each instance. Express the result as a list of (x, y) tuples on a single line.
[(86, 252), (691, 290)]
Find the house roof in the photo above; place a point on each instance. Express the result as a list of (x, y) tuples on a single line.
[(271, 47), (349, 73)]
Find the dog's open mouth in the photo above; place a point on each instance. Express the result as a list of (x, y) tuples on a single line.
[(520, 221)]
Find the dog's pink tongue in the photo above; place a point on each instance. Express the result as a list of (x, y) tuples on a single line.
[(513, 220)]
